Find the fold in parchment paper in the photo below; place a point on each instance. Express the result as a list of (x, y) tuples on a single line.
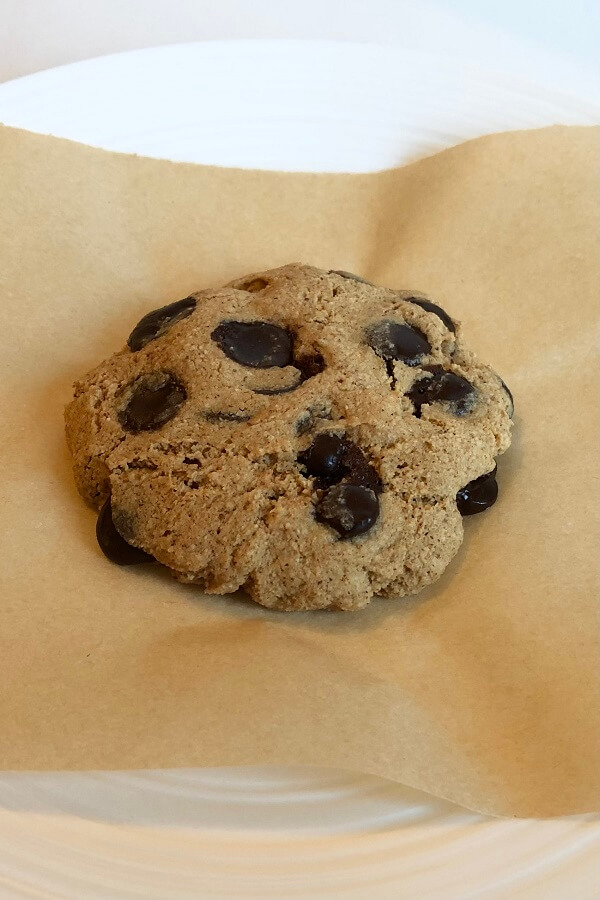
[(484, 688)]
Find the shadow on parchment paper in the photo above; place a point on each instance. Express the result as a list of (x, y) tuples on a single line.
[(248, 616)]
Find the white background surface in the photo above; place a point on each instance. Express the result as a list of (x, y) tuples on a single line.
[(232, 834), (534, 34)]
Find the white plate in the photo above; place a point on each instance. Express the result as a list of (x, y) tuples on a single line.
[(290, 105), (279, 833)]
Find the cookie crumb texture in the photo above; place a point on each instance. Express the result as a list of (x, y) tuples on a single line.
[(301, 434)]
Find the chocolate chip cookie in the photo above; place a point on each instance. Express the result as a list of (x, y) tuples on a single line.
[(302, 434)]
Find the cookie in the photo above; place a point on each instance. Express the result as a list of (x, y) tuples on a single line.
[(301, 434)]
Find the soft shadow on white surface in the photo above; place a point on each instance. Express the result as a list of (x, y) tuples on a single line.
[(251, 797), (275, 834)]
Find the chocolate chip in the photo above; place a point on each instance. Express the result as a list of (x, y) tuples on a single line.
[(324, 456), (478, 495), (442, 387), (156, 323), (428, 306), (113, 545), (331, 458), (511, 408), (348, 508), (391, 341), (154, 400), (350, 276), (259, 345)]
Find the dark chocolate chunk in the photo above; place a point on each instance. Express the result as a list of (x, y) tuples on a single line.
[(259, 345), (324, 456), (428, 306), (348, 508), (332, 457), (442, 387), (156, 323), (391, 341), (154, 400), (113, 545), (478, 495), (350, 276), (511, 408)]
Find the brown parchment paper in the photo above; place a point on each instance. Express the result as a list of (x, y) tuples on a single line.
[(483, 689)]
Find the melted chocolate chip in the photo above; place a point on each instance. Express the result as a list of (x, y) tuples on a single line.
[(332, 457), (442, 387), (511, 408), (259, 345), (348, 508), (478, 495), (156, 323), (324, 456), (391, 341), (154, 400), (428, 306), (350, 276), (113, 545)]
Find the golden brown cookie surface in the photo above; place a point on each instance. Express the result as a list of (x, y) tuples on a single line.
[(299, 433)]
